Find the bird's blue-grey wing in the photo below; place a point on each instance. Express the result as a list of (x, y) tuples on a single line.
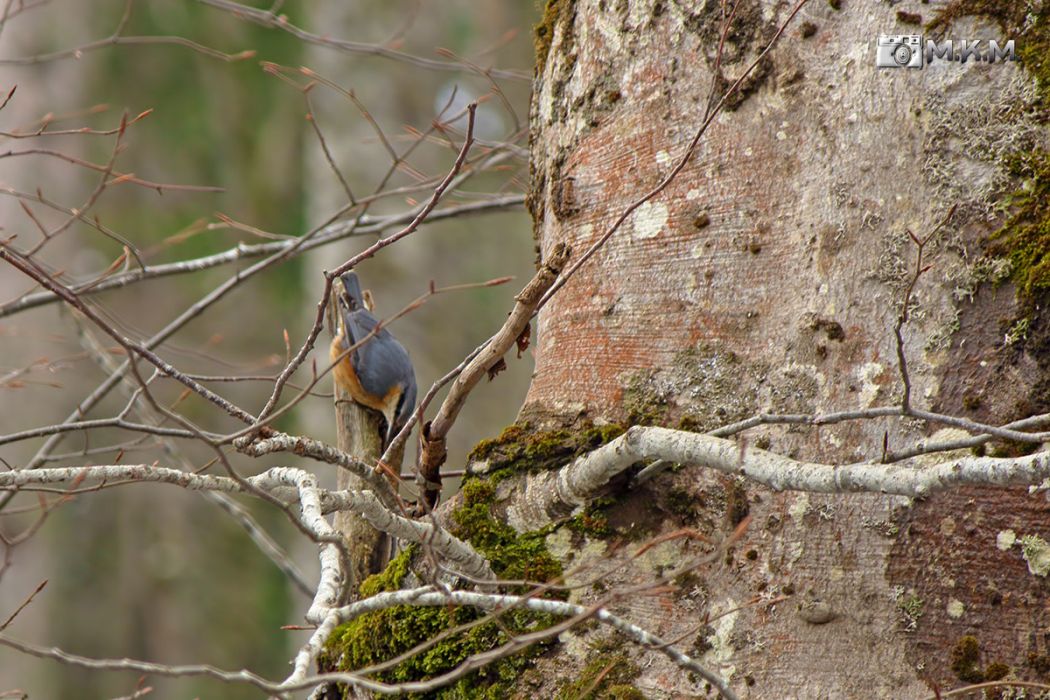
[(381, 362)]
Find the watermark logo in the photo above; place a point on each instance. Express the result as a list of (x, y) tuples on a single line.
[(910, 51)]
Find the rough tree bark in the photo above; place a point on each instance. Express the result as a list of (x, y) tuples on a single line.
[(358, 433), (768, 277)]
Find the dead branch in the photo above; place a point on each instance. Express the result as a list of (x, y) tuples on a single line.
[(434, 433)]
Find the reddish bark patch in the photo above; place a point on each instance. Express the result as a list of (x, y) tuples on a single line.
[(947, 554), (982, 379), (647, 294)]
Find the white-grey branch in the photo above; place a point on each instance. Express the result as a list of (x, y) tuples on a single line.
[(552, 495), (428, 596), (288, 484), (455, 551), (365, 226)]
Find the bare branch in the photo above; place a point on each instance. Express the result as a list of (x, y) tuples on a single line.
[(1005, 432), (274, 21), (423, 597), (25, 603), (461, 557), (434, 450), (75, 426), (141, 666), (32, 270), (315, 449), (966, 443), (117, 39), (970, 689), (108, 170), (410, 228), (266, 544), (551, 495), (315, 503), (329, 234)]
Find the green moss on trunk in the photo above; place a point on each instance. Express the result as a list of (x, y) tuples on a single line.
[(554, 11), (607, 676), (1024, 236), (386, 634), (513, 556), (519, 448)]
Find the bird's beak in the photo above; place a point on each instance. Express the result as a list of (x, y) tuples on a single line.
[(391, 429), (342, 297)]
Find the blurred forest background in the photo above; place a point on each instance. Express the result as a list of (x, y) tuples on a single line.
[(154, 572)]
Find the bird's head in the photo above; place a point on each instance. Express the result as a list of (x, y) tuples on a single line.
[(348, 292)]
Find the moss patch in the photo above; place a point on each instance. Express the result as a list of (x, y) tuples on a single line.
[(512, 555), (1008, 14), (554, 12), (519, 448), (683, 503), (642, 405), (376, 637), (965, 657), (1039, 662), (737, 506), (1024, 237), (1034, 53), (593, 520), (606, 676), (391, 577), (382, 635), (996, 671), (965, 662)]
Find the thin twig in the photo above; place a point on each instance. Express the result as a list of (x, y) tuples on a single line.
[(25, 603), (434, 449), (322, 305), (268, 19), (678, 167), (329, 234)]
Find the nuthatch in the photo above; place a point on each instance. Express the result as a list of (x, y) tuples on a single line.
[(379, 373)]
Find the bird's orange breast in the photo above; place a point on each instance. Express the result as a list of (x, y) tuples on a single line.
[(346, 379)]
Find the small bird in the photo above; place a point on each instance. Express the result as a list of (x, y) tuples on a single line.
[(377, 374)]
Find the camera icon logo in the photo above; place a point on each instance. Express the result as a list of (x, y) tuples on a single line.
[(899, 51)]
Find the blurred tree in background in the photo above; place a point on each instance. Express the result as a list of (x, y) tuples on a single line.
[(144, 559)]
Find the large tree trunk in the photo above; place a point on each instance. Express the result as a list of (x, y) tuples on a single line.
[(768, 277)]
